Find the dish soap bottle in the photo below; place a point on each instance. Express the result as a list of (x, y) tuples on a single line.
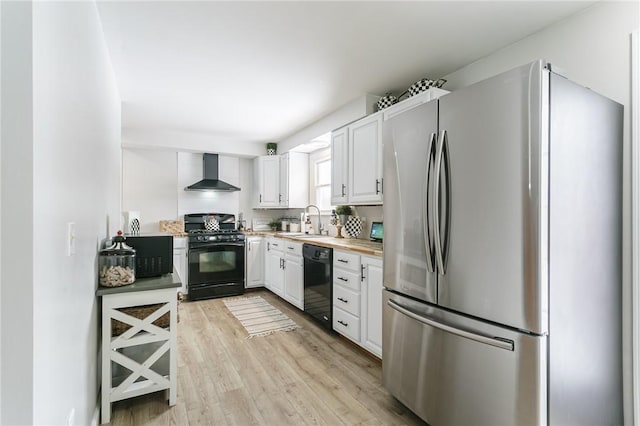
[(308, 227), (334, 218)]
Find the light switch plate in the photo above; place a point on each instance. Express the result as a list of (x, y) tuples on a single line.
[(71, 238)]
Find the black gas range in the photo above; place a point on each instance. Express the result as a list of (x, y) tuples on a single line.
[(216, 256)]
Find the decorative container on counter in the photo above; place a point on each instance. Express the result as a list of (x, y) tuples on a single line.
[(117, 264)]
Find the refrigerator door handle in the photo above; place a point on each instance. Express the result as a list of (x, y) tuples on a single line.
[(425, 207), (498, 342), (441, 151)]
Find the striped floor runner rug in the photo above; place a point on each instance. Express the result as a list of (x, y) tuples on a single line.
[(258, 317)]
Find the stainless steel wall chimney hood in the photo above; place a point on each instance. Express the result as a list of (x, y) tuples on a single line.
[(210, 181)]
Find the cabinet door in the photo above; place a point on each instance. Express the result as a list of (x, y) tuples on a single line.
[(255, 262), (297, 175), (371, 305), (283, 196), (177, 262), (269, 181), (339, 175), (365, 161), (273, 269), (293, 281)]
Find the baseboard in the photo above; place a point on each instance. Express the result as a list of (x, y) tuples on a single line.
[(95, 419)]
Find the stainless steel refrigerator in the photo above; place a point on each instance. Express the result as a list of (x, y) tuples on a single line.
[(503, 254)]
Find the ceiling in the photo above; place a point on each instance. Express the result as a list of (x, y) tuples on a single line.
[(260, 71)]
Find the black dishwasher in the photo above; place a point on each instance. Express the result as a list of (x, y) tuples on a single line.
[(318, 283)]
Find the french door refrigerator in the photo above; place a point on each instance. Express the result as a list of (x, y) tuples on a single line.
[(502, 254)]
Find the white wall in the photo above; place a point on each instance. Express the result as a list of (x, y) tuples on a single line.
[(153, 183), (76, 178), (593, 48), (149, 185), (0, 215), (358, 108), (16, 191)]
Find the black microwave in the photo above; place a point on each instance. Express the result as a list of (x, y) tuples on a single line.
[(154, 254)]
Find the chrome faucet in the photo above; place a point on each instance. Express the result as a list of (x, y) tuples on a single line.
[(320, 229)]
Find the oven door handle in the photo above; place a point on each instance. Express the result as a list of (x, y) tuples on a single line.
[(205, 245)]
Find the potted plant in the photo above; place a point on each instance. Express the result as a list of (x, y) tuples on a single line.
[(272, 148), (343, 213), (275, 225)]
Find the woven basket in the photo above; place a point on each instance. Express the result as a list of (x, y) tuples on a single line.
[(140, 312)]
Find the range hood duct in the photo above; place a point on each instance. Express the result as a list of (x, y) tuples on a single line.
[(210, 181)]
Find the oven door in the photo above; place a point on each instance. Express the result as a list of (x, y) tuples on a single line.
[(216, 263)]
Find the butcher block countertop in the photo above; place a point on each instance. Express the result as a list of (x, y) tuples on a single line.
[(361, 246)]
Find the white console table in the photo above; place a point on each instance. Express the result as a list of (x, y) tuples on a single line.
[(140, 348)]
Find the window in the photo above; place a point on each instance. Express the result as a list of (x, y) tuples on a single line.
[(320, 182), (323, 184)]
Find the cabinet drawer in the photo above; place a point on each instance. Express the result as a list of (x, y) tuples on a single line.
[(347, 279), (346, 324), (346, 260), (274, 244), (179, 242), (346, 299), (292, 248)]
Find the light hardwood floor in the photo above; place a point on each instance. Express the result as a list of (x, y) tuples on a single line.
[(305, 376)]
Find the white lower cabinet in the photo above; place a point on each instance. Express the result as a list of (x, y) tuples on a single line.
[(371, 312), (255, 258), (357, 299), (273, 272), (284, 270), (180, 261), (293, 274)]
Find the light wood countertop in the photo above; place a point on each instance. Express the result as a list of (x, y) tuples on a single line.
[(361, 246)]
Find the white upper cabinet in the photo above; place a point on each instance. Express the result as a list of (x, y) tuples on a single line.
[(365, 161), (282, 180), (356, 154), (294, 180), (283, 197), (339, 166), (356, 162), (267, 181)]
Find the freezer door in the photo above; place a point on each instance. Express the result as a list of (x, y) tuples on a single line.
[(492, 187), (452, 370), (409, 154)]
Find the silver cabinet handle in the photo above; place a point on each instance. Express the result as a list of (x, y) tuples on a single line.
[(426, 204), (377, 186), (362, 277), (344, 187), (487, 340)]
